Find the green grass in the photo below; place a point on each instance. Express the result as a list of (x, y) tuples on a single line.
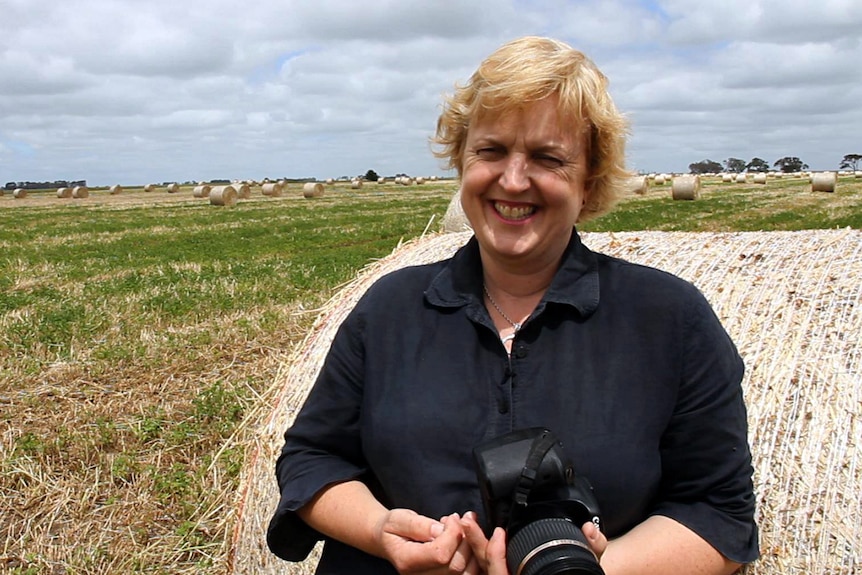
[(135, 337)]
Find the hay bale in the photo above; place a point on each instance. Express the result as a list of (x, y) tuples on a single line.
[(17, 193), (823, 182), (115, 190), (64, 192), (312, 190), (685, 187), (637, 185), (740, 178), (150, 188), (420, 180), (857, 174), (356, 184), (381, 180), (80, 192), (272, 189), (405, 181), (202, 191), (223, 196), (792, 302), (658, 179), (455, 220), (173, 188), (727, 178), (243, 190), (759, 178)]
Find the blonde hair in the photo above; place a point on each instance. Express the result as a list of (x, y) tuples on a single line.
[(531, 69)]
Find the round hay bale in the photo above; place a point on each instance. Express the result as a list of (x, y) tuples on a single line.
[(150, 188), (116, 189), (740, 178), (18, 193), (658, 179), (223, 196), (759, 178), (356, 184), (455, 220), (272, 189), (405, 181), (312, 190), (80, 192), (420, 180), (857, 174), (64, 192), (243, 190), (727, 178), (637, 185), (202, 191), (173, 188), (792, 303), (381, 180), (329, 181), (685, 187), (823, 182)]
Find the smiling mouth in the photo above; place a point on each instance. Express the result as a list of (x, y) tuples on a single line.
[(509, 212)]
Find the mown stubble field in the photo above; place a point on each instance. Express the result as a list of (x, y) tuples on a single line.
[(138, 331)]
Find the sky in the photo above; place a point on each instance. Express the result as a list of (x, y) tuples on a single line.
[(137, 91)]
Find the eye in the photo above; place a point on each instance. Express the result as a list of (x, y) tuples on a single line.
[(491, 152), (549, 160)]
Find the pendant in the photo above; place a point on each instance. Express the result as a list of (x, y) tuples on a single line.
[(509, 337)]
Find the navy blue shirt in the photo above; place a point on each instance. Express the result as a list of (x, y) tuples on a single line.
[(626, 364)]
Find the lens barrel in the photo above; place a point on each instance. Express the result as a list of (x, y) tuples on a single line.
[(552, 546)]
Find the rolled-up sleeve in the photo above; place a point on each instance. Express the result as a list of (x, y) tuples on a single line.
[(706, 461), (323, 445)]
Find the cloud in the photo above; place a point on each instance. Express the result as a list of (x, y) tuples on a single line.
[(131, 92)]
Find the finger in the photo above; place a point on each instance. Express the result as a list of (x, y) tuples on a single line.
[(473, 567), (475, 537), (596, 539), (462, 557), (411, 526), (496, 553)]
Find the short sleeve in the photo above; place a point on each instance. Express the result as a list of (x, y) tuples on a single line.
[(323, 445), (706, 461)]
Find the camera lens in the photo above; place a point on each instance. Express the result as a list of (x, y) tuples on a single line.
[(551, 546)]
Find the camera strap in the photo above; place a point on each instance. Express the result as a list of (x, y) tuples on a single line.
[(538, 450)]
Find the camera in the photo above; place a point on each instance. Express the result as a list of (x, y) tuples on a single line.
[(529, 487)]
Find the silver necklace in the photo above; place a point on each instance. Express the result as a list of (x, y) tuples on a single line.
[(515, 325)]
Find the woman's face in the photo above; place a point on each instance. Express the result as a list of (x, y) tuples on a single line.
[(523, 182)]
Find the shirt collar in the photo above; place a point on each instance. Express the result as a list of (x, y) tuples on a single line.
[(575, 284)]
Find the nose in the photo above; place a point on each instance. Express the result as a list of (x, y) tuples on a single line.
[(514, 178)]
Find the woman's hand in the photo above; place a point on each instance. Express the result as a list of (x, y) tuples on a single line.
[(416, 544), (597, 540), (491, 554)]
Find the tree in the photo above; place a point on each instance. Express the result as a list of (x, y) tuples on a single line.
[(757, 165), (704, 167), (371, 176), (851, 162), (790, 164), (734, 165)]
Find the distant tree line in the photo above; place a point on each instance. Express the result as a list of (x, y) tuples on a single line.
[(44, 185), (737, 165), (785, 164)]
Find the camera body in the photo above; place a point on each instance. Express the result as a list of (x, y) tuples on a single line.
[(529, 487)]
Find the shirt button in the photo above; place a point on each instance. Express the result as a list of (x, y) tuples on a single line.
[(520, 351)]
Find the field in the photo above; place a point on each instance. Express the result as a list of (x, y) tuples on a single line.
[(137, 331)]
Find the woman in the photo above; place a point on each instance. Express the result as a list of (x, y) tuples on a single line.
[(524, 327)]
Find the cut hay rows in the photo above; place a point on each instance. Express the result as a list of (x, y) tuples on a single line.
[(792, 301)]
